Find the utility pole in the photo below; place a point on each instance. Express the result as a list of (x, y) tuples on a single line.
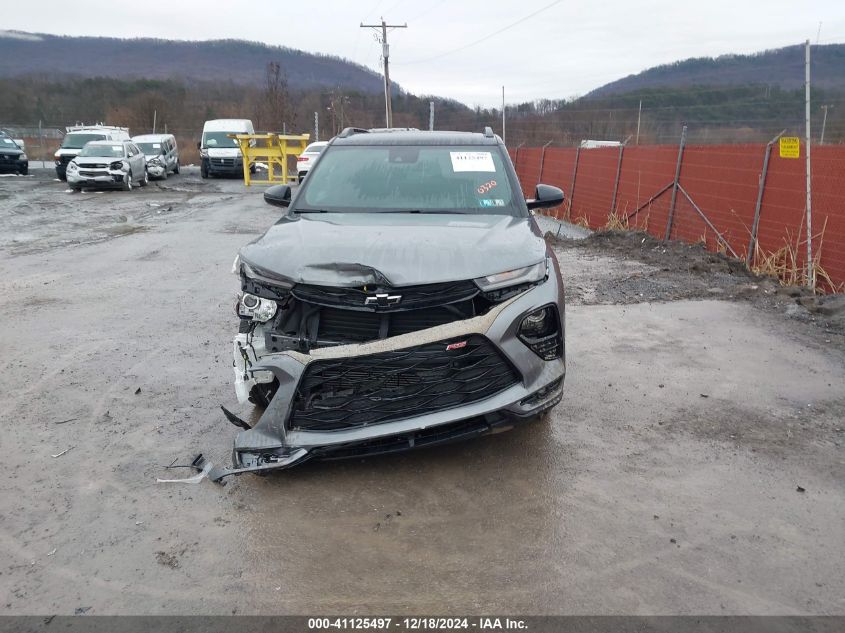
[(431, 115), (503, 116), (824, 123), (316, 126), (639, 116), (811, 273), (155, 113), (385, 53)]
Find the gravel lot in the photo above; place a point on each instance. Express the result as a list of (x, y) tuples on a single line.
[(695, 466)]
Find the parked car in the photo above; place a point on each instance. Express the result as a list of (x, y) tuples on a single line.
[(162, 153), (406, 298), (108, 164), (220, 154), (76, 138), (12, 156), (305, 161)]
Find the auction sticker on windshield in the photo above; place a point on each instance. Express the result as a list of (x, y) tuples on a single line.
[(472, 161)]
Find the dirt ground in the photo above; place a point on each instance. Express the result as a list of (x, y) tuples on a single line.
[(695, 465)]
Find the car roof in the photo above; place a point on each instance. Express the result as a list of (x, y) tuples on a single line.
[(413, 137), (151, 137), (108, 142)]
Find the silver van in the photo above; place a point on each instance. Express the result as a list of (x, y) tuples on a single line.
[(162, 153)]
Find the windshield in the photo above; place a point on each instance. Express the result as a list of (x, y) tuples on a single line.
[(76, 141), (218, 139), (102, 151), (151, 149), (425, 179), (7, 143)]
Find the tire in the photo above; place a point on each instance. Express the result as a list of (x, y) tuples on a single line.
[(62, 177), (76, 189), (127, 182), (146, 179), (24, 171), (204, 171), (164, 175), (176, 169)]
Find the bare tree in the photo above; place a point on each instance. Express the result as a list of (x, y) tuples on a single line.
[(277, 105)]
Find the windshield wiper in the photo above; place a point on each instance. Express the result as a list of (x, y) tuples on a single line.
[(311, 211), (427, 211)]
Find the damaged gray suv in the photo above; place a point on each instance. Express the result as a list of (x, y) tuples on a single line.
[(406, 298)]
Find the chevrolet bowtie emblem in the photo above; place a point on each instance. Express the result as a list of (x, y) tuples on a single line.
[(382, 300)]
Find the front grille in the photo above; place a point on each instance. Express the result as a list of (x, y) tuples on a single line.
[(91, 174), (335, 326), (93, 166), (410, 297), (377, 388), (223, 162)]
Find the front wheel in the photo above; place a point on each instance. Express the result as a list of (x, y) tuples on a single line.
[(145, 179), (204, 171), (127, 181), (24, 171), (176, 169)]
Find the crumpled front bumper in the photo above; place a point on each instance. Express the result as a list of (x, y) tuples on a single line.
[(156, 170), (97, 177), (271, 444)]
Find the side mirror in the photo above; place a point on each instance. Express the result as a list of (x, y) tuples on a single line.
[(545, 196), (278, 195), (199, 144)]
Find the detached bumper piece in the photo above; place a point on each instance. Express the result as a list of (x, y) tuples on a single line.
[(365, 390)]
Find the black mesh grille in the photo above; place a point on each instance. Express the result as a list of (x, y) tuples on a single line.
[(412, 297), (364, 390)]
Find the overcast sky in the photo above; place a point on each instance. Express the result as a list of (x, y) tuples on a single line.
[(565, 50)]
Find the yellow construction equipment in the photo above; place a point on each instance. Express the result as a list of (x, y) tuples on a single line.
[(273, 150)]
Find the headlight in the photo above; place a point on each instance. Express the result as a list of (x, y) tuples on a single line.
[(236, 265), (256, 274), (56, 155), (116, 165), (23, 157), (203, 153), (72, 166), (256, 308), (529, 274)]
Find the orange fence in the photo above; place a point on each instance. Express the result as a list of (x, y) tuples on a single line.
[(723, 181)]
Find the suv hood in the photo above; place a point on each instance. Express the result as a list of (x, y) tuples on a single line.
[(353, 249)]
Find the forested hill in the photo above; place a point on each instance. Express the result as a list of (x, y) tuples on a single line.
[(782, 67), (237, 61)]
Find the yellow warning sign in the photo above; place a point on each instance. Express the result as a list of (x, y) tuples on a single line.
[(790, 147)]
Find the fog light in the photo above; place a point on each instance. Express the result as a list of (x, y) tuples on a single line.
[(540, 331), (116, 165), (256, 308)]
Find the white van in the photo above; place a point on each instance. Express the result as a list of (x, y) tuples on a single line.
[(78, 135), (219, 153)]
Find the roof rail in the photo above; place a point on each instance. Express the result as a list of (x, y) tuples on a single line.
[(349, 131), (488, 131)]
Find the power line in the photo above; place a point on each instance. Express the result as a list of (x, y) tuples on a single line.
[(486, 37)]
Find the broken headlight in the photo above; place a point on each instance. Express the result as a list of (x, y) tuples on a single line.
[(529, 274), (256, 308)]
